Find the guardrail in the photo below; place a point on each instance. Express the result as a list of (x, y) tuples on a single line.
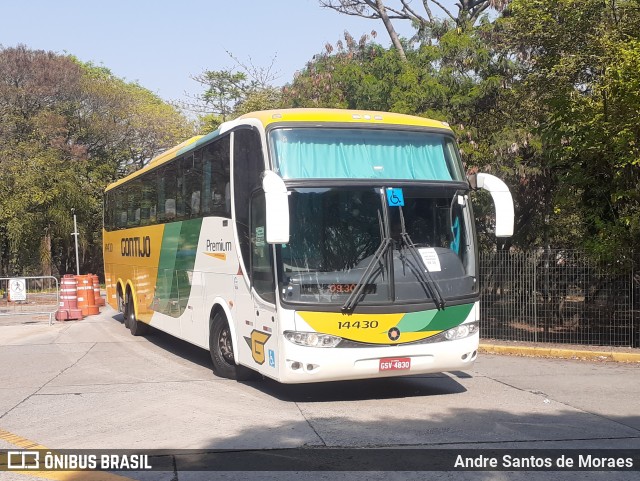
[(29, 296)]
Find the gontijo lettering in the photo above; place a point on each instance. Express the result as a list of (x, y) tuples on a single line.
[(135, 246)]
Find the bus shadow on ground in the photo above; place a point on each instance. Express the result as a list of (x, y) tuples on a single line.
[(175, 346), (363, 389), (383, 388)]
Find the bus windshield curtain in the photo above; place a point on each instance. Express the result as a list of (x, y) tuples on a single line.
[(330, 154)]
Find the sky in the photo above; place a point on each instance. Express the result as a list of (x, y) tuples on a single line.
[(161, 43)]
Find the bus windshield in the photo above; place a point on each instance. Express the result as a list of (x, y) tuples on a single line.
[(336, 231), (358, 153)]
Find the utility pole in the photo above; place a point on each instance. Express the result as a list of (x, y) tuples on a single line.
[(75, 234)]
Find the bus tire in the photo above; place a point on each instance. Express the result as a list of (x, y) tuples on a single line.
[(136, 327), (126, 311), (120, 299), (122, 308), (222, 355)]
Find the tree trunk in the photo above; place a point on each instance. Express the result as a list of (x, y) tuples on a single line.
[(392, 32)]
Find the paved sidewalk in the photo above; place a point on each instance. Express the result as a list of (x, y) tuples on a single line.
[(563, 351)]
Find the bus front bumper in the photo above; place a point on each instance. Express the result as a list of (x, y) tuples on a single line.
[(312, 364)]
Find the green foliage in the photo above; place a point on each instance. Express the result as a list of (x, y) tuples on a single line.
[(67, 129), (580, 63), (225, 88), (230, 93), (547, 97), (208, 123), (461, 80)]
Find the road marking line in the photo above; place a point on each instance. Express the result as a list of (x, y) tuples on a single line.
[(55, 475)]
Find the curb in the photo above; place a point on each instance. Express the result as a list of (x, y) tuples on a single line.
[(560, 353)]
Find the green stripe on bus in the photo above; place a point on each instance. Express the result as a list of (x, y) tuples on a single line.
[(435, 320), (177, 259)]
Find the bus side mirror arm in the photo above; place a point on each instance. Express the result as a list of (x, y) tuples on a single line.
[(277, 208), (502, 201)]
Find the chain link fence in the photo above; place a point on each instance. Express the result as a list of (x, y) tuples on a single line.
[(560, 296)]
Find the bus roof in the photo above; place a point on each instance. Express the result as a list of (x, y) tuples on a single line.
[(157, 160), (268, 117)]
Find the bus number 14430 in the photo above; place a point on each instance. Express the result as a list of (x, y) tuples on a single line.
[(357, 325)]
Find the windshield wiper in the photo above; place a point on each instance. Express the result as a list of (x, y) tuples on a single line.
[(422, 271), (382, 249)]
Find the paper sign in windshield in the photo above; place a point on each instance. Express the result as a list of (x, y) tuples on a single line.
[(430, 259)]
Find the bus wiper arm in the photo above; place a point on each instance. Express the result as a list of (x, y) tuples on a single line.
[(382, 249), (423, 272)]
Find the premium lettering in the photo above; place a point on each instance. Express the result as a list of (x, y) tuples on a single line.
[(218, 246)]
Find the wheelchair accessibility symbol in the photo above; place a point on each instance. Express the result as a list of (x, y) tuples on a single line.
[(395, 198)]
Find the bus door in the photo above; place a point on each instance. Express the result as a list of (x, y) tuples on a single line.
[(263, 336), (190, 321)]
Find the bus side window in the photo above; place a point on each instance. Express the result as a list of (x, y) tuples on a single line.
[(121, 208), (161, 197), (169, 193), (215, 178), (262, 278), (170, 209), (108, 210), (248, 166), (149, 199), (133, 217), (192, 171), (206, 200), (181, 189)]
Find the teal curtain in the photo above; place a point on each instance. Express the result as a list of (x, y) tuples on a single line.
[(360, 154)]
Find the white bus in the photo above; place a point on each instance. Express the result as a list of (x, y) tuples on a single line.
[(305, 245)]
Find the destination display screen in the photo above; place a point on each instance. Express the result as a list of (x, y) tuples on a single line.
[(334, 289)]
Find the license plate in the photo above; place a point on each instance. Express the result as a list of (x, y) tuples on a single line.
[(395, 364)]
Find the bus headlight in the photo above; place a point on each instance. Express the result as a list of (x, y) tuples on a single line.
[(312, 339), (461, 331)]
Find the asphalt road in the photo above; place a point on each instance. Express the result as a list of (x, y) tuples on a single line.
[(91, 385)]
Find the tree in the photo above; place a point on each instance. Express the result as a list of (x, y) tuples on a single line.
[(429, 25), (580, 62), (230, 93), (461, 80), (546, 96), (353, 74), (224, 90), (67, 129)]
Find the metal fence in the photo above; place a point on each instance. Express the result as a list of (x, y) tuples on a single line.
[(34, 297), (562, 296)]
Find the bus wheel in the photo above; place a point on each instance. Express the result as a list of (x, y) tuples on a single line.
[(128, 311), (136, 327), (122, 307), (221, 349)]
